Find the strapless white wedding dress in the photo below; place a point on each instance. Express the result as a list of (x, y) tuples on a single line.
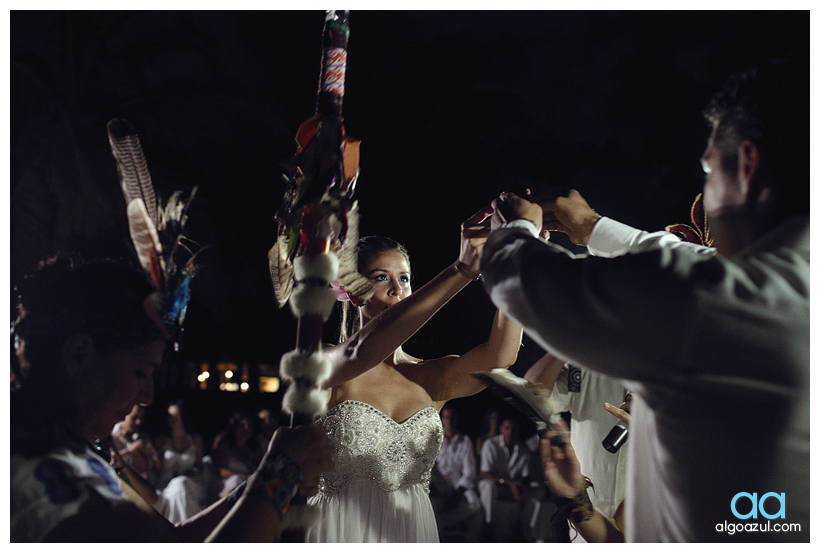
[(379, 488)]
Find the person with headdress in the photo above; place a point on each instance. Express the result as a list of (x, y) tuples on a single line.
[(86, 353), (383, 412)]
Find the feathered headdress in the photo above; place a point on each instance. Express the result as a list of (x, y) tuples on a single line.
[(156, 232)]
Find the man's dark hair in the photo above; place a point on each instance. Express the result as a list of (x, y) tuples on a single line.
[(510, 418), (456, 418), (769, 106)]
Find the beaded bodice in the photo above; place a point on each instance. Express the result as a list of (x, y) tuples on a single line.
[(370, 445)]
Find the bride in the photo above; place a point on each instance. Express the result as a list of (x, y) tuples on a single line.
[(383, 416)]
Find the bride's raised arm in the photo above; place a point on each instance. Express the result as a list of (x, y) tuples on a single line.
[(451, 377), (385, 333)]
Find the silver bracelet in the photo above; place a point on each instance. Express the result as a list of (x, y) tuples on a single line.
[(466, 271)]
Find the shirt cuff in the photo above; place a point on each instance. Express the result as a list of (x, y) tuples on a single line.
[(525, 224), (609, 238)]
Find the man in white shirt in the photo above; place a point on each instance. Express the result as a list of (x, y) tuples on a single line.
[(453, 493), (714, 343), (504, 485)]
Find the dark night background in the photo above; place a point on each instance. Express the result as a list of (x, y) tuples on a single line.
[(451, 108)]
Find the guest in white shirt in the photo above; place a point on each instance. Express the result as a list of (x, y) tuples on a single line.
[(453, 486)]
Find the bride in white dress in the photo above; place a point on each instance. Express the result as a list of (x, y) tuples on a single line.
[(383, 416)]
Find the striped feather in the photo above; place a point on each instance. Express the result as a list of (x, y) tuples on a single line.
[(146, 241), (132, 167), (353, 281)]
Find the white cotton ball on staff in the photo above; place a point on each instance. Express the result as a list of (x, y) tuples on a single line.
[(305, 400), (323, 267), (312, 298), (314, 366)]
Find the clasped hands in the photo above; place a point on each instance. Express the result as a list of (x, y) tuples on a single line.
[(565, 211), (515, 488)]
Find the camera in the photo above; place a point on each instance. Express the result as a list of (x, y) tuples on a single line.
[(620, 432), (573, 378), (616, 438)]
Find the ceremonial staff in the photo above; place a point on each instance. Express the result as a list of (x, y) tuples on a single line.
[(313, 261)]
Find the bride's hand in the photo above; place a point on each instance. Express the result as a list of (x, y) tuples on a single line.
[(474, 233), (508, 207)]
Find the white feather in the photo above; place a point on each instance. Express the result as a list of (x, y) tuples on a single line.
[(143, 233)]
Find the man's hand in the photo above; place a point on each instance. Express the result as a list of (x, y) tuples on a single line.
[(569, 213), (509, 207), (622, 412), (562, 471), (515, 487), (137, 446)]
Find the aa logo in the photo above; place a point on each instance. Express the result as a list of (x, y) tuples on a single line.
[(762, 506)]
